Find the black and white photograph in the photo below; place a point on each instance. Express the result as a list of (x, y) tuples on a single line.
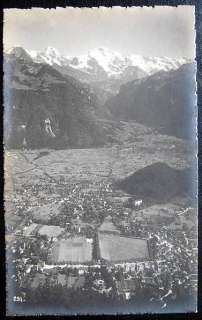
[(100, 160)]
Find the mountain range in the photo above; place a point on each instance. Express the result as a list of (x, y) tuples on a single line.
[(109, 63), (56, 100), (105, 70)]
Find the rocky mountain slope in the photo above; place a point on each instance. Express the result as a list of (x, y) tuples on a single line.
[(45, 108), (163, 101)]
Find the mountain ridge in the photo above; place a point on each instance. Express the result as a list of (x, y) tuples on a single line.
[(110, 63), (163, 101)]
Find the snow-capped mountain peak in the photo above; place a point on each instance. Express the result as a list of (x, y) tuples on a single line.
[(19, 52), (103, 52), (114, 64), (154, 64), (33, 53), (52, 52), (50, 56), (102, 62), (111, 62)]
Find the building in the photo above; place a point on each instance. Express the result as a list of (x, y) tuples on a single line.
[(126, 287), (39, 280)]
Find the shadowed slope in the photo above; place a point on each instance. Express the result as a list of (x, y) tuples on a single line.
[(158, 182)]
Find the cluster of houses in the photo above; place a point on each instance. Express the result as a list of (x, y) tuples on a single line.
[(82, 255)]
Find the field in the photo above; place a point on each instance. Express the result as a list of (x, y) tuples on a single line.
[(76, 250), (115, 248)]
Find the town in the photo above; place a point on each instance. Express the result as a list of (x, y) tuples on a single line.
[(100, 246)]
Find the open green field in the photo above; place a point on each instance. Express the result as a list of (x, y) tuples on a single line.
[(115, 248), (77, 250)]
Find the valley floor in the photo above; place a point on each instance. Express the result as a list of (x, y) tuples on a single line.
[(73, 190)]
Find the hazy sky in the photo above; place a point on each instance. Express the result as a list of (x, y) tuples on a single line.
[(159, 31)]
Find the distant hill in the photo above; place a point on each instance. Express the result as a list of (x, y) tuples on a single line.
[(163, 101), (44, 108), (159, 183)]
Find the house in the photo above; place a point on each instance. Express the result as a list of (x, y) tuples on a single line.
[(39, 280), (62, 279), (125, 287)]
